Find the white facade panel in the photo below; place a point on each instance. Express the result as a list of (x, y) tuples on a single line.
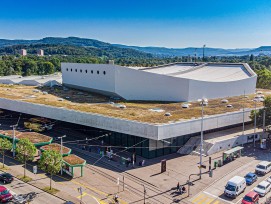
[(93, 76), (133, 84), (140, 85), (210, 90)]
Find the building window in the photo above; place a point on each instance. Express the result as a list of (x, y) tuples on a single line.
[(75, 70), (67, 69), (98, 72), (81, 70), (91, 71), (104, 72), (86, 71), (71, 70)]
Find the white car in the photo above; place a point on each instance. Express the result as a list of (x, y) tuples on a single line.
[(262, 188)]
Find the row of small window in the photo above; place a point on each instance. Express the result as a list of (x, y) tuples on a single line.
[(98, 72)]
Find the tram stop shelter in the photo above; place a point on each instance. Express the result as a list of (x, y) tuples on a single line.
[(231, 154), (72, 161)]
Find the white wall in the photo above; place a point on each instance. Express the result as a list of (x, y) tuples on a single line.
[(133, 84), (198, 89), (94, 81), (140, 85), (151, 131)]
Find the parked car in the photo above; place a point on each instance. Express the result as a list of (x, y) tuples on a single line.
[(251, 178), (235, 186), (6, 178), (5, 195), (263, 168), (251, 198), (262, 188)]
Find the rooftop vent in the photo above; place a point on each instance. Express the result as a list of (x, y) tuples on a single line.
[(167, 114), (224, 101), (185, 105), (158, 110)]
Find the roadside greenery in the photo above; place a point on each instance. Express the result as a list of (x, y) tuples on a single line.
[(51, 162), (25, 152), (5, 145)]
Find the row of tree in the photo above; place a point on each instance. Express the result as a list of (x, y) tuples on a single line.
[(50, 162)]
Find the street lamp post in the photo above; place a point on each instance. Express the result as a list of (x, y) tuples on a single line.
[(61, 150), (203, 102), (255, 121)]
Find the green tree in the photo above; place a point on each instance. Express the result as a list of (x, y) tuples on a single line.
[(5, 145), (264, 78), (48, 67), (25, 151), (51, 162), (251, 58)]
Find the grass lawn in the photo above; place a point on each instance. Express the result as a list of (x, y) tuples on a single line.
[(135, 110), (51, 191), (25, 179)]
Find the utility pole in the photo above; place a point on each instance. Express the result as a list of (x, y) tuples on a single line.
[(203, 102), (61, 151), (263, 121), (255, 121), (243, 118)]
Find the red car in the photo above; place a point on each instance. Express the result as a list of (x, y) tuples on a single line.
[(251, 198), (5, 195)]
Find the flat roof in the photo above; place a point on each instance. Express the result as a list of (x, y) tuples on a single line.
[(204, 71), (136, 110)]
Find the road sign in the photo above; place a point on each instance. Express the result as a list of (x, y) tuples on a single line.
[(35, 169), (202, 166)]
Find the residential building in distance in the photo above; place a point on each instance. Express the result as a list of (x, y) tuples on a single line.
[(40, 52), (23, 52)]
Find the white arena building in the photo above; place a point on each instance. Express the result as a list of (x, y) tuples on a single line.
[(172, 82)]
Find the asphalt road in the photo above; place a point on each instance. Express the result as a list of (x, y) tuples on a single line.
[(19, 187), (214, 194)]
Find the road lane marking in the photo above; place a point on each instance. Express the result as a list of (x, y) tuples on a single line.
[(197, 198), (218, 197)]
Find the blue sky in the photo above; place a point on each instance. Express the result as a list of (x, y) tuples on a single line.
[(167, 23)]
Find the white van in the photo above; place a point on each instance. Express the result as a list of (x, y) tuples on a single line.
[(263, 167), (235, 186)]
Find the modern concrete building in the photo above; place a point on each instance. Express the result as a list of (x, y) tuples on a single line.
[(173, 82), (23, 52), (40, 52)]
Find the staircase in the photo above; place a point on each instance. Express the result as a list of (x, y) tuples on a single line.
[(206, 146), (190, 145)]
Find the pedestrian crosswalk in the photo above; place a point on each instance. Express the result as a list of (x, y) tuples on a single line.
[(203, 198)]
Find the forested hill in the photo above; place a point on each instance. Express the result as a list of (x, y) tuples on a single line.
[(62, 49)]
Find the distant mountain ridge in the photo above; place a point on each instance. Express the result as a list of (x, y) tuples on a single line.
[(149, 51)]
